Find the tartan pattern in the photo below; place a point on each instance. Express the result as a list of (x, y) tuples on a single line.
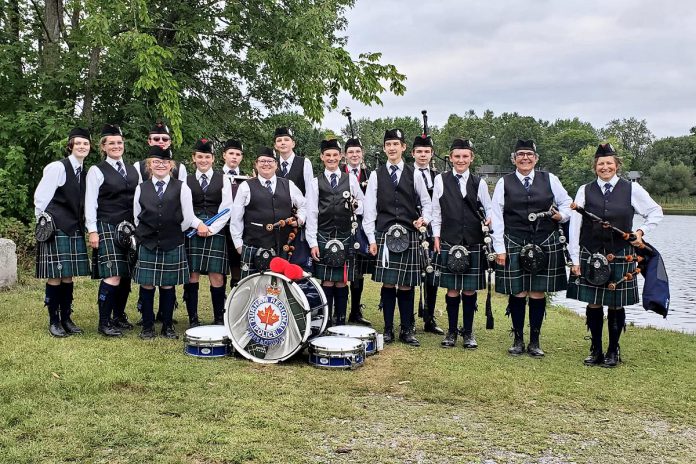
[(248, 267), (207, 254), (364, 265), (333, 274), (113, 260), (161, 268), (62, 256), (473, 278), (512, 279), (402, 268), (625, 294)]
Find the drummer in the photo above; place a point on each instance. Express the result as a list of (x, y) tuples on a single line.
[(329, 222), (457, 197), (233, 154), (261, 202), (390, 210), (517, 195), (163, 209), (207, 255), (109, 207)]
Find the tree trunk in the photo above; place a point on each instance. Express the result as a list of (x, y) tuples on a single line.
[(53, 25), (92, 73)]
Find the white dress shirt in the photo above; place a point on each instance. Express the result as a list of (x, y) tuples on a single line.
[(641, 201), (53, 178), (370, 208), (190, 219), (226, 202), (244, 197), (560, 198), (307, 172), (313, 203), (426, 172), (95, 179), (182, 171), (438, 189)]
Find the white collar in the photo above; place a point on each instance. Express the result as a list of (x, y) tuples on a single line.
[(611, 181), (263, 179), (465, 174), (74, 162), (521, 177), (208, 174), (155, 180), (290, 159), (113, 162), (400, 165), (226, 169)]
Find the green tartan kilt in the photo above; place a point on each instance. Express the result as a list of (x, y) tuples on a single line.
[(625, 294), (474, 278), (512, 279), (62, 256), (161, 268), (401, 268), (364, 265), (333, 274), (248, 266), (207, 254), (112, 259)]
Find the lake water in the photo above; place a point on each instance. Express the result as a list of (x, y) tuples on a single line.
[(675, 239)]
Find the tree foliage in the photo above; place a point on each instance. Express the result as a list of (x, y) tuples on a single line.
[(671, 180)]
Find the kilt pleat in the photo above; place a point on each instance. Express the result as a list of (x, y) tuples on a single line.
[(512, 279), (62, 256), (112, 259), (248, 266), (401, 268), (330, 273), (207, 254), (626, 292), (474, 278), (161, 268)]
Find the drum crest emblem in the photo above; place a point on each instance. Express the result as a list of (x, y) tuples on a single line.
[(268, 318)]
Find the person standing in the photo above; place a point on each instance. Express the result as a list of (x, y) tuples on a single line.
[(390, 221), (109, 206), (233, 154), (159, 136), (62, 255), (614, 200), (530, 257)]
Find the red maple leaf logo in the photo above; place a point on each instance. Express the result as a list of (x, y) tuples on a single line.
[(268, 316)]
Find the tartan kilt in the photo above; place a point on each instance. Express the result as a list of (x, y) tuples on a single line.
[(234, 259), (333, 274), (161, 268), (626, 292), (364, 265), (207, 254), (401, 268), (248, 266), (512, 279), (112, 259), (473, 278), (62, 256)]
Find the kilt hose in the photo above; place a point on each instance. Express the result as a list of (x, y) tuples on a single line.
[(207, 254), (161, 268), (626, 292), (474, 278), (112, 259), (62, 256), (330, 273), (401, 268), (511, 279)]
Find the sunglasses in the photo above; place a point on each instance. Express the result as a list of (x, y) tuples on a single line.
[(160, 139)]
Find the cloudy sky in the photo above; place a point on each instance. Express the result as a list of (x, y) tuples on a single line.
[(597, 60)]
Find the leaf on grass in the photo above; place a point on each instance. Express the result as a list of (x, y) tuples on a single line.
[(343, 450), (55, 375), (403, 382)]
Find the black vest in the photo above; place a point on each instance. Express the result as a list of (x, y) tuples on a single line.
[(519, 203), (296, 172), (160, 219), (396, 205), (363, 176), (67, 207), (115, 200), (146, 175), (264, 208), (615, 208), (333, 215), (460, 225), (206, 204)]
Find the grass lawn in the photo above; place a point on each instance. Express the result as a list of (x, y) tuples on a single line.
[(91, 399)]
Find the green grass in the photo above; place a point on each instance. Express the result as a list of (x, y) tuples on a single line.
[(677, 205), (91, 399)]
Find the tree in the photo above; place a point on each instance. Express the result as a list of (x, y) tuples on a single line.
[(672, 180), (674, 150), (576, 169), (634, 135)]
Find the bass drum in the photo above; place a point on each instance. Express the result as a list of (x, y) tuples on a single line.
[(317, 305), (268, 317)]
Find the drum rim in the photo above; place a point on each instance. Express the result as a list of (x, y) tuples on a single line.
[(313, 345), (204, 337), (370, 332)]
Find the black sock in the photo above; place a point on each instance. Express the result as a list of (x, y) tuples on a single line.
[(516, 310), (191, 299), (167, 298), (595, 324), (468, 310), (430, 301), (452, 303), (217, 296), (406, 299), (52, 302), (106, 299), (537, 309), (356, 289), (124, 288), (146, 302), (329, 292), (66, 299), (340, 302), (388, 296)]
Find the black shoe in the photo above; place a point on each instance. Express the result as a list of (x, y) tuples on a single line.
[(122, 322), (388, 336), (534, 350), (517, 347), (57, 330), (450, 340), (612, 358), (340, 321), (140, 322), (595, 358), (109, 331), (70, 327), (356, 317), (169, 332), (219, 321), (147, 334), (194, 323), (431, 326), (406, 336), (469, 341)]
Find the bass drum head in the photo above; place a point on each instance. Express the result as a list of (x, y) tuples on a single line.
[(317, 304), (267, 317)]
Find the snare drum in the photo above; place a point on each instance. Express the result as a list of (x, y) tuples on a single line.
[(317, 304), (330, 352), (367, 334), (207, 341)]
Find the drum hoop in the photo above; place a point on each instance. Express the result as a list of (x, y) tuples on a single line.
[(206, 343), (324, 304)]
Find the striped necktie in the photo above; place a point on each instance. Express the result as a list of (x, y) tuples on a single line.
[(78, 171), (527, 184), (119, 168), (284, 172), (334, 182), (607, 189), (268, 186), (160, 188), (394, 179), (204, 182)]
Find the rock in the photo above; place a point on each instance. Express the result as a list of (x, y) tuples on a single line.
[(8, 263)]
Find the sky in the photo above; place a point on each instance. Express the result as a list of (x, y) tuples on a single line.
[(550, 59)]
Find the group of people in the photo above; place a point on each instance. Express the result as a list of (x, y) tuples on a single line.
[(395, 223)]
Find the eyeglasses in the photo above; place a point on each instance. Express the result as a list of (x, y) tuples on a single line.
[(265, 161), (525, 154), (157, 138), (160, 162)]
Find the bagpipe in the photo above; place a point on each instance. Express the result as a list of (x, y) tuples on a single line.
[(649, 264), (532, 257), (490, 263)]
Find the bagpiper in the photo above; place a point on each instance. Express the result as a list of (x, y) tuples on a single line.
[(232, 154)]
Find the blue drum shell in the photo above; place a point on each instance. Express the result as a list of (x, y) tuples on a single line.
[(212, 350), (336, 362)]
